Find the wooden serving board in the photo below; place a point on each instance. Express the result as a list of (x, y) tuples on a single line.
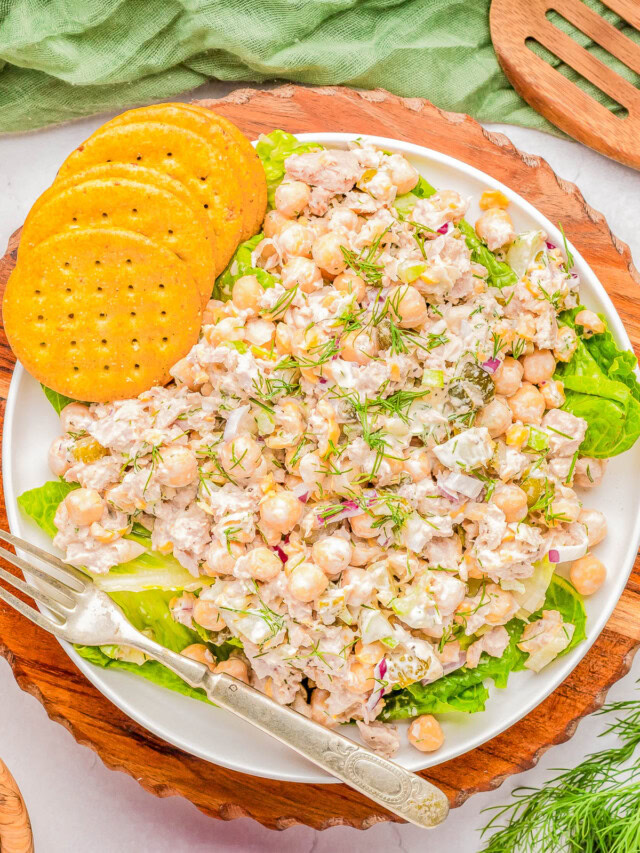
[(43, 669)]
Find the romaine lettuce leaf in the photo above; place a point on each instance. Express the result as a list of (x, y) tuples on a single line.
[(41, 504), (464, 690), (239, 265), (273, 149), (602, 388)]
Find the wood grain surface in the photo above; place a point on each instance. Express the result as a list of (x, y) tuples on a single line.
[(43, 669), (514, 23), (15, 827)]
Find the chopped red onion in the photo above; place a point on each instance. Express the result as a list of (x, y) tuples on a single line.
[(303, 498), (553, 555), (322, 380), (490, 365), (550, 245), (379, 672), (278, 550), (567, 553), (444, 229)]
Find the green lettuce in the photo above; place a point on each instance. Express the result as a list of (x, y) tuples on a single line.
[(464, 690), (58, 401), (41, 504), (601, 387), (273, 149), (239, 265)]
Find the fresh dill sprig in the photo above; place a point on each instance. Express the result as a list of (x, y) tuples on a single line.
[(591, 808), (570, 260), (364, 263)]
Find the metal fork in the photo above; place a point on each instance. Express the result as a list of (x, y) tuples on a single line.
[(81, 613)]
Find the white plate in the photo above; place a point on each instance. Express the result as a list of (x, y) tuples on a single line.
[(31, 424)]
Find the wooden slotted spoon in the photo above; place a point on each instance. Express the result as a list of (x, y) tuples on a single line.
[(549, 92)]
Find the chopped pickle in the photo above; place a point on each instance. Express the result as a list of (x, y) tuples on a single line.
[(534, 488), (471, 375), (87, 450)]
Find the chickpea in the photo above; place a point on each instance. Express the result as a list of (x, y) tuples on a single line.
[(234, 667), (247, 293), (281, 511), (409, 306), (587, 574), (495, 416), (207, 615), (332, 554), (284, 339), (566, 344), (589, 472), (539, 366), (501, 605), (295, 241), (358, 346), (508, 377), (343, 220), (369, 653), (425, 733), (403, 176), (240, 457), (318, 705), (596, 525), (553, 393), (365, 553), (199, 652), (302, 272), (564, 510), (418, 464), (362, 526), (495, 228), (307, 581), (75, 417), (58, 462), (359, 585), (590, 322), (178, 466), (451, 202), (527, 404), (328, 255), (260, 332), (360, 678), (274, 223), (84, 506), (512, 500), (292, 197), (220, 559), (349, 282), (263, 564)]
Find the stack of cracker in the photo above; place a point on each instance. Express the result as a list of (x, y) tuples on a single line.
[(118, 257)]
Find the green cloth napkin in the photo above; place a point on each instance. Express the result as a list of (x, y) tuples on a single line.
[(61, 59)]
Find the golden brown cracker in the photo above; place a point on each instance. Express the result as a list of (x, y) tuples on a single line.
[(101, 314), (130, 205), (185, 156), (257, 200), (181, 115)]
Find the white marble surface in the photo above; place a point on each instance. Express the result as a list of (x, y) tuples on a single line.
[(76, 804)]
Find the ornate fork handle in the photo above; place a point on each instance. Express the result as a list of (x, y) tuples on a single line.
[(402, 792)]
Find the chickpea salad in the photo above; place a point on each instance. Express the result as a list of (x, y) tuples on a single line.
[(358, 487)]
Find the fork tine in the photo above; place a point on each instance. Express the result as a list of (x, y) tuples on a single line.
[(34, 615), (46, 557), (33, 592), (63, 594)]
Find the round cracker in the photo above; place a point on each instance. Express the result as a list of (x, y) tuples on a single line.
[(101, 314), (216, 135), (140, 174), (130, 205), (256, 174), (184, 155)]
